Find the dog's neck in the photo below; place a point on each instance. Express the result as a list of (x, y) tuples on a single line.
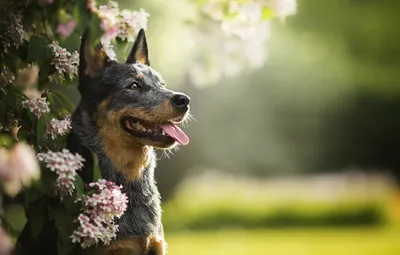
[(143, 215)]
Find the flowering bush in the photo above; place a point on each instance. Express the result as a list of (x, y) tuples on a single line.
[(232, 35), (39, 61), (96, 222), (39, 43)]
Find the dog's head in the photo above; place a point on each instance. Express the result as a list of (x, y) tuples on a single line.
[(130, 102)]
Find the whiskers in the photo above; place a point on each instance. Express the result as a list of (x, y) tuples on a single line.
[(168, 153), (189, 117)]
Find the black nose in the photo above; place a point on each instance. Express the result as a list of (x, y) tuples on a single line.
[(180, 101)]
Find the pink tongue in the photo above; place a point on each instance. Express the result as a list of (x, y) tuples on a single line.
[(175, 132)]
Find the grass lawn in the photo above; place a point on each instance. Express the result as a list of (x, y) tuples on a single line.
[(358, 241)]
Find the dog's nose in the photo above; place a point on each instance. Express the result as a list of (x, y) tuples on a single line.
[(180, 101)]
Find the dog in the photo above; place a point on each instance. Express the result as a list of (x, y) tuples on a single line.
[(125, 113)]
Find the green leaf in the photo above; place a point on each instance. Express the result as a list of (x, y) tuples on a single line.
[(9, 100), (70, 205), (65, 227), (2, 112), (48, 179), (22, 134), (121, 48), (22, 50), (78, 186), (35, 214), (50, 98), (64, 100), (96, 169), (73, 42), (10, 63), (41, 128), (82, 16), (32, 194), (5, 140), (36, 49)]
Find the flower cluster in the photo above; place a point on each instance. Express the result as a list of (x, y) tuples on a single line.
[(283, 8), (64, 164), (96, 222), (58, 127), (15, 33), (10, 122), (64, 62), (37, 106), (18, 168), (114, 23), (238, 31), (128, 23), (6, 78)]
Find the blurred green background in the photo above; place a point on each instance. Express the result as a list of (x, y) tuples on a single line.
[(301, 156)]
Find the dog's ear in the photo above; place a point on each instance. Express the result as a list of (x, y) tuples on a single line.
[(139, 52), (92, 59)]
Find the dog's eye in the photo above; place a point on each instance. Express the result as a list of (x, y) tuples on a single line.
[(134, 85)]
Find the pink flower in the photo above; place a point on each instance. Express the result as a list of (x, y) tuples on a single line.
[(15, 33), (96, 222), (66, 63), (65, 164), (130, 22), (67, 28), (18, 168), (58, 127), (37, 106), (6, 77)]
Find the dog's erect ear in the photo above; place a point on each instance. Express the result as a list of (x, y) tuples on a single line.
[(139, 52), (92, 61)]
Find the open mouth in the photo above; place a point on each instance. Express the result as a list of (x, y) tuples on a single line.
[(157, 132)]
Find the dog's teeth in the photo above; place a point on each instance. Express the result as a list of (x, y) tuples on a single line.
[(138, 126), (162, 132)]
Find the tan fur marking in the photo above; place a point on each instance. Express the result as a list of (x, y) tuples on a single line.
[(141, 58), (125, 152), (94, 61), (158, 245), (134, 246), (140, 76)]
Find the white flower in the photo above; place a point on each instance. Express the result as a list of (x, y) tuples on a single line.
[(283, 8), (65, 164), (213, 9), (96, 222), (108, 48), (18, 168), (10, 122), (111, 7), (37, 106), (64, 62), (245, 24), (130, 22), (6, 78), (58, 127), (139, 19), (15, 33)]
